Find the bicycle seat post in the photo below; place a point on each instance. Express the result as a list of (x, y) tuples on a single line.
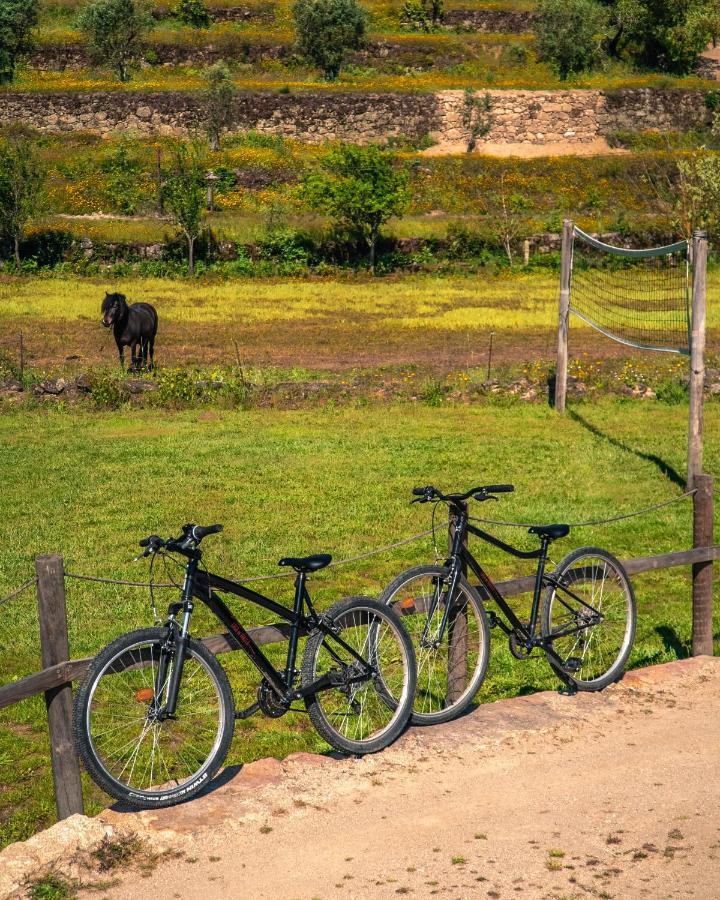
[(545, 542)]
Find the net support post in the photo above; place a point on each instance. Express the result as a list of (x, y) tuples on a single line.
[(697, 357), (52, 615), (562, 348), (702, 572)]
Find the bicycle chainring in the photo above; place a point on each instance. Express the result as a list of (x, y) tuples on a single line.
[(517, 648), (269, 702)]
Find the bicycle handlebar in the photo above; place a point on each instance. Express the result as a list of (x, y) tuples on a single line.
[(483, 492), (190, 537)]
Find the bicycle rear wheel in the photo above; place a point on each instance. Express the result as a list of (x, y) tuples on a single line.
[(592, 627), (360, 714), (449, 670), (127, 750)]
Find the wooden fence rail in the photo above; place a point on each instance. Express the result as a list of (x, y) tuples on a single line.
[(55, 679)]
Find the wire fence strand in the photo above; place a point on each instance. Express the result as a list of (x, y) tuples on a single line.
[(632, 515), (340, 562), (16, 593)]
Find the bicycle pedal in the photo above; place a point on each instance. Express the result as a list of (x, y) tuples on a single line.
[(493, 619), (573, 664)]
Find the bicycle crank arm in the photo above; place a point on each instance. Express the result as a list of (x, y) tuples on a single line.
[(246, 713)]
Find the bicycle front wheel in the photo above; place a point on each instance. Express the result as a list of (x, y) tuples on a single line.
[(450, 666), (370, 699), (129, 751), (590, 618)]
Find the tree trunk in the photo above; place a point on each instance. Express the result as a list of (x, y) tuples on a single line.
[(16, 242), (372, 241), (191, 255), (214, 140)]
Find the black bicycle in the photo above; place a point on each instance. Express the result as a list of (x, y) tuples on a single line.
[(155, 715), (586, 624)]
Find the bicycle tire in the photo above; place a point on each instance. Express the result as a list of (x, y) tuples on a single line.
[(340, 713), (431, 706), (122, 675), (591, 666)]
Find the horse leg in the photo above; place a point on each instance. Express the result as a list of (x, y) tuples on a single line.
[(144, 353), (151, 347), (135, 356), (121, 353)]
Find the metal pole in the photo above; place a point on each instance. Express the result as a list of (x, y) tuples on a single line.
[(697, 357), (492, 333), (562, 349), (52, 615), (702, 573)]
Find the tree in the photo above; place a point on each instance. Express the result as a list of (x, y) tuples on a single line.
[(184, 196), (115, 29), (17, 17), (218, 97), (667, 35), (194, 13), (476, 116), (625, 18), (327, 29), (21, 189), (361, 188), (705, 18), (569, 34)]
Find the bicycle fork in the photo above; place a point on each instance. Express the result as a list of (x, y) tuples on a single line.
[(173, 651)]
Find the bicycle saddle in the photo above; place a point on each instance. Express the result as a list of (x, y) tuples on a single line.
[(551, 531), (307, 563)]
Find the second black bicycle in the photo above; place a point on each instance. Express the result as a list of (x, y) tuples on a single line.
[(582, 617)]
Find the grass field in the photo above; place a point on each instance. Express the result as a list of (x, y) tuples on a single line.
[(336, 480), (429, 322)]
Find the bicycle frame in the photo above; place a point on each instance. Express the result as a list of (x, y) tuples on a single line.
[(460, 557), (200, 584)]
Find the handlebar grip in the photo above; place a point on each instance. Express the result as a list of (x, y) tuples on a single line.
[(201, 531), (145, 542), (418, 491), (500, 488)]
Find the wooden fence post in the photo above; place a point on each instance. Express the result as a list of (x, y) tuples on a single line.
[(457, 641), (702, 573), (52, 615), (562, 348), (697, 357)]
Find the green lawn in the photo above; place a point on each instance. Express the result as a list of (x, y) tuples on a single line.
[(88, 485)]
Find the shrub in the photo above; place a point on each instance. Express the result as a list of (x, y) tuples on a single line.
[(194, 13), (124, 189), (327, 30)]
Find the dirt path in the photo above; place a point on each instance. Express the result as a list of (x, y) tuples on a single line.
[(547, 796)]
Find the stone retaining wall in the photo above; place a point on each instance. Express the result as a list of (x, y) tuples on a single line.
[(535, 117), (494, 21)]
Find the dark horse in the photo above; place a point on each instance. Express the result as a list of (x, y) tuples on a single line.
[(133, 326)]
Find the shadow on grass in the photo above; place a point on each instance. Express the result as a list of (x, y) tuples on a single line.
[(664, 467)]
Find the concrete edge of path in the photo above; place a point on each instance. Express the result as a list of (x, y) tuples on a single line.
[(58, 849)]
